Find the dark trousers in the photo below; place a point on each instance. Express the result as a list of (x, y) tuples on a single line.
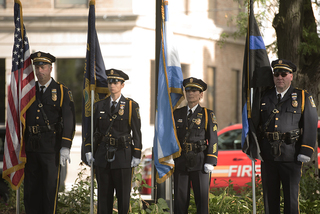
[(200, 185), (41, 183), (275, 173), (110, 180)]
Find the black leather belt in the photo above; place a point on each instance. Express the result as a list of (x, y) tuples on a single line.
[(197, 147), (275, 136), (121, 142), (41, 129)]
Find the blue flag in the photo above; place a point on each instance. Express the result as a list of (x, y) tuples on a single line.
[(257, 75), (94, 77), (166, 146)]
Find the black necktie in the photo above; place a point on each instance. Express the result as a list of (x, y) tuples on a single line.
[(113, 107), (189, 116), (279, 97), (41, 90)]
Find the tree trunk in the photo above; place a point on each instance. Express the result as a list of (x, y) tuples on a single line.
[(298, 42)]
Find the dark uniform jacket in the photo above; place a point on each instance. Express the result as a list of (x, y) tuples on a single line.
[(58, 106), (205, 129), (127, 121), (297, 111)]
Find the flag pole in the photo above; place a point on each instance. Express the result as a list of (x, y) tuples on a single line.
[(92, 172), (253, 188), (18, 201), (170, 197), (253, 170)]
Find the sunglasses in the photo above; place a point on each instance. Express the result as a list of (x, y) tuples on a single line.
[(283, 74), (113, 81)]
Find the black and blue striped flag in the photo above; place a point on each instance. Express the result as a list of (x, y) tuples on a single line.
[(257, 75)]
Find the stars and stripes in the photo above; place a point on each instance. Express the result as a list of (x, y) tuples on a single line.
[(21, 94)]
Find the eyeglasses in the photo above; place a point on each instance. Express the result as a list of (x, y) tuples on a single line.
[(283, 74)]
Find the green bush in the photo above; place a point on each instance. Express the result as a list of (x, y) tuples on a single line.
[(221, 201)]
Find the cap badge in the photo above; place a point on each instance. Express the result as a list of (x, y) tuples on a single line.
[(38, 54), (191, 80), (111, 72), (54, 94)]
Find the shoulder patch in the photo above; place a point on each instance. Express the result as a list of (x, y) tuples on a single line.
[(70, 96), (138, 112), (213, 117), (312, 101)]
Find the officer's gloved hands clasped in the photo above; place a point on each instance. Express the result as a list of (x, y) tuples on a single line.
[(64, 156), (135, 162), (208, 168), (303, 158), (89, 158)]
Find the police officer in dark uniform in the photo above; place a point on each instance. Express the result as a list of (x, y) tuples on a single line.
[(117, 144), (288, 128), (197, 132), (50, 129)]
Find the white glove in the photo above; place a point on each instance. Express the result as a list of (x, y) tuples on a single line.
[(89, 158), (303, 158), (135, 162), (208, 168), (64, 156)]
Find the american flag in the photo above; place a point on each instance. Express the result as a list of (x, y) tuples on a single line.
[(21, 94)]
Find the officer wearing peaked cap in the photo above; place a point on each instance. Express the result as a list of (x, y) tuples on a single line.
[(50, 129), (197, 133), (40, 58), (117, 144), (287, 137)]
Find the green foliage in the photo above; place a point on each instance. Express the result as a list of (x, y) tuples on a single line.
[(241, 21), (77, 200), (309, 189), (311, 42), (221, 200), (10, 206)]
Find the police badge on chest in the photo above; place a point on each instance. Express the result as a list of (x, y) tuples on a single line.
[(294, 97)]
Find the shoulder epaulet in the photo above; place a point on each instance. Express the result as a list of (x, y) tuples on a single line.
[(180, 107), (60, 83), (127, 98)]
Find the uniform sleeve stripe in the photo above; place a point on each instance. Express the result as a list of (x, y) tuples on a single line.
[(137, 149), (309, 147), (212, 156), (64, 138)]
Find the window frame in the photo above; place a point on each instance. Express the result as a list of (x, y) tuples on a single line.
[(58, 4)]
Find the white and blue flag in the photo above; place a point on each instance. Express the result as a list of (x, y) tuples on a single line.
[(170, 94)]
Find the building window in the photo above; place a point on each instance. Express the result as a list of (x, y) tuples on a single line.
[(71, 3), (2, 3), (153, 96), (2, 91), (235, 96), (211, 86), (70, 73)]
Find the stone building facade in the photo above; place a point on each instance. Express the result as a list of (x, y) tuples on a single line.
[(126, 32)]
